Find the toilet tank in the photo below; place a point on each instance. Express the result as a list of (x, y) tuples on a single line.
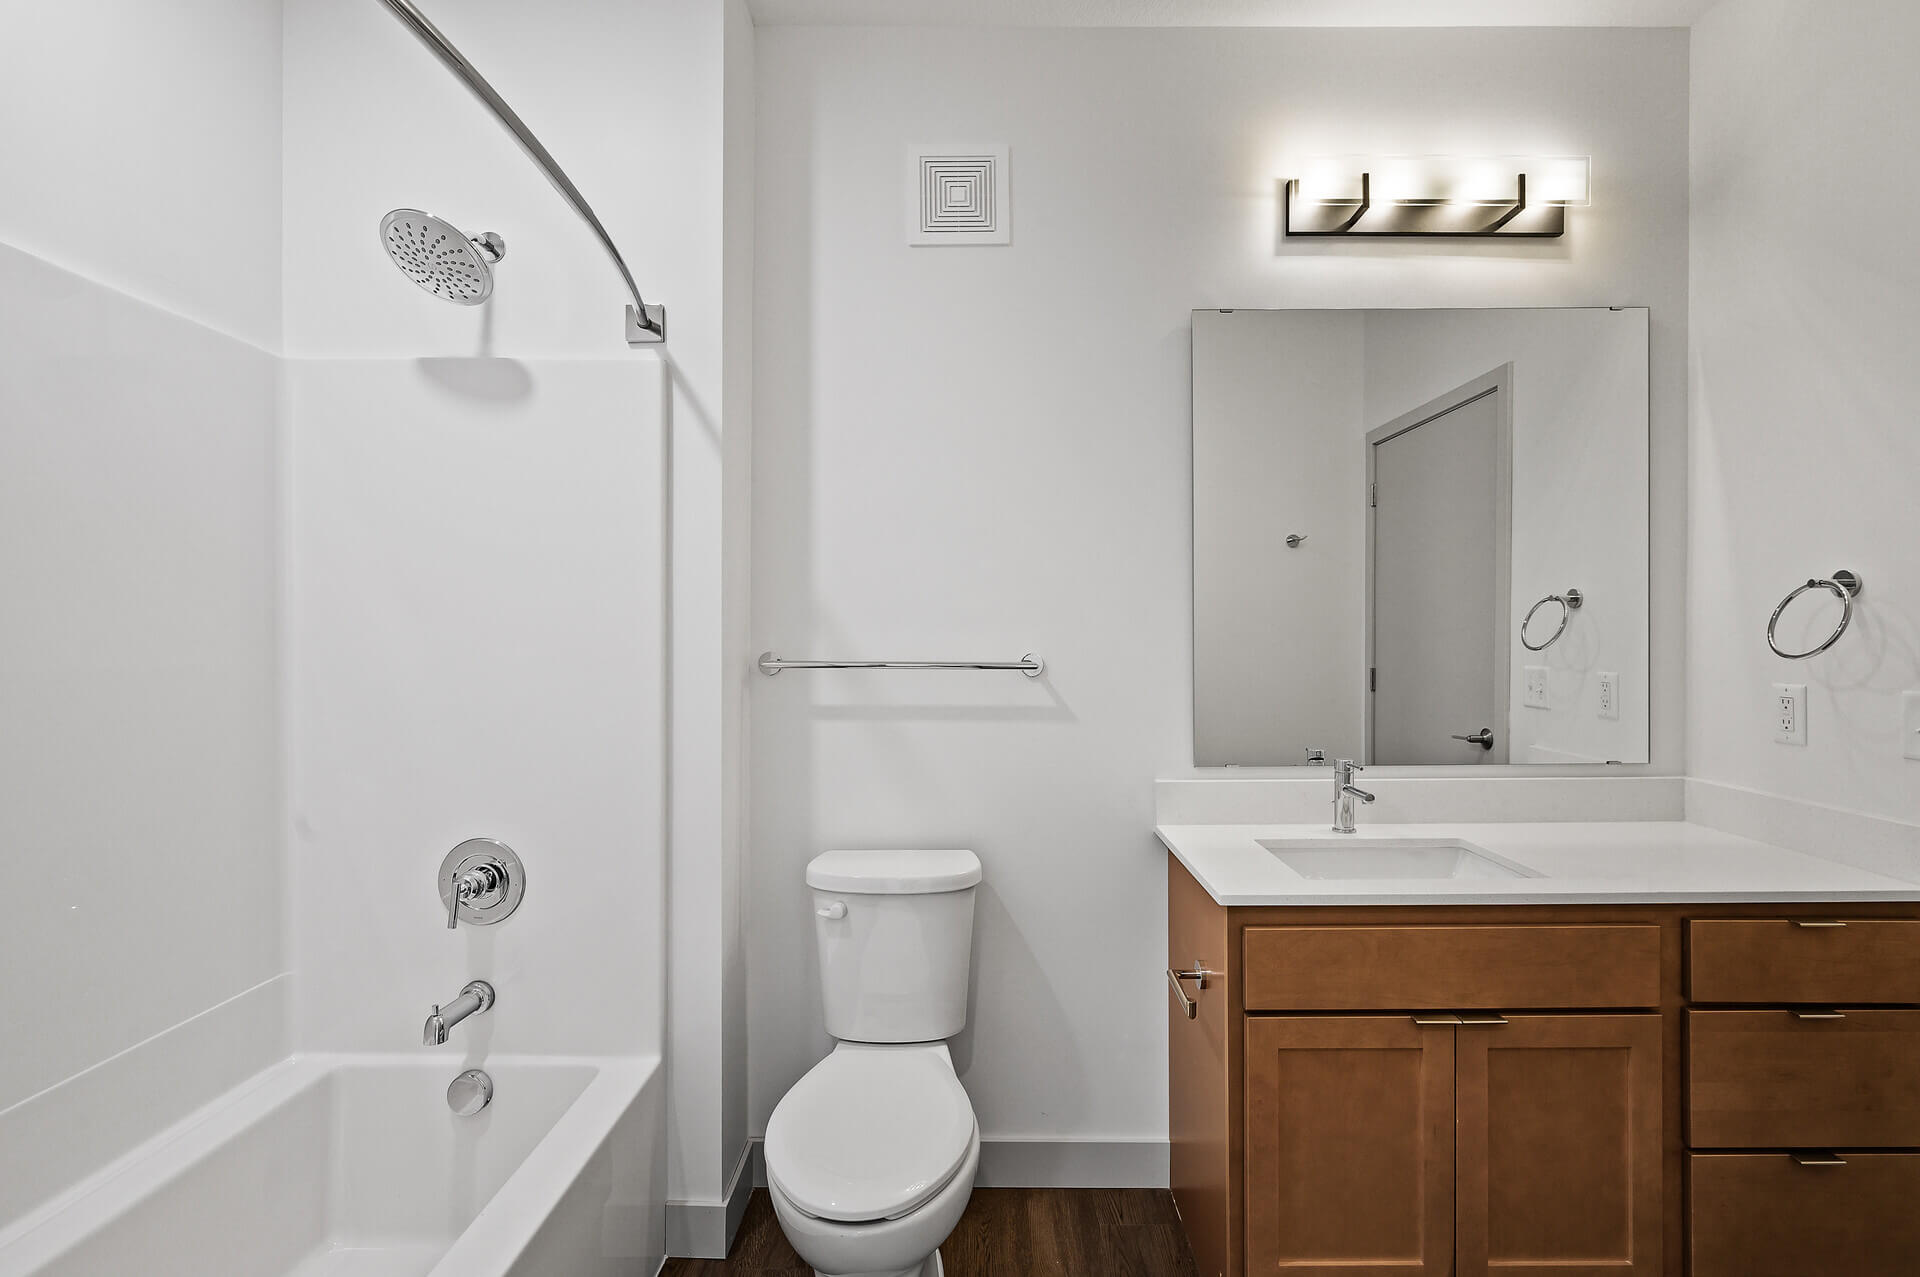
[(894, 933)]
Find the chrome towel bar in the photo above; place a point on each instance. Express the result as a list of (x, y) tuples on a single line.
[(1030, 665), (1845, 585)]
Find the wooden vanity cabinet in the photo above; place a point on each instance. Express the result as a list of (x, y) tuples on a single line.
[(1474, 1090)]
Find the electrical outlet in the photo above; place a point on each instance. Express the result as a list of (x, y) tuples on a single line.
[(1910, 723), (1537, 687), (1790, 713), (1609, 694)]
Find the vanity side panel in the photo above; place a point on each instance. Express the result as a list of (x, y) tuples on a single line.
[(1199, 1112)]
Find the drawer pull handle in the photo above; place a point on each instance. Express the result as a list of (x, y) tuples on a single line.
[(1814, 923), (1199, 976), (1818, 1159), (1437, 1021), (1819, 1015), (1483, 1021)]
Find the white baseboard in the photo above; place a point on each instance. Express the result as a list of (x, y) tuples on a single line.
[(1047, 1162), (1831, 833), (705, 1230), (1070, 1163)]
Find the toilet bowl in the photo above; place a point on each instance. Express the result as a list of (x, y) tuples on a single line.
[(871, 1156)]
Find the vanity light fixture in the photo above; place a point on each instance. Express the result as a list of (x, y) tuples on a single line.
[(1435, 196)]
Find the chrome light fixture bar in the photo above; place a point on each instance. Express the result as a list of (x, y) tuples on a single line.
[(646, 325), (1435, 197)]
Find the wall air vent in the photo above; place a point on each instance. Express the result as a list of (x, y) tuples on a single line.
[(957, 195)]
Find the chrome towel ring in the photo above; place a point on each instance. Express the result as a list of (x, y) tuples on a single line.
[(1846, 586), (1569, 604)]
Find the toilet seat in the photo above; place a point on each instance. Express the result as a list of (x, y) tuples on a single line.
[(870, 1133)]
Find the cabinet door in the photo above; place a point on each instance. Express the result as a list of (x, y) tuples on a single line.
[(1559, 1146), (1349, 1146)]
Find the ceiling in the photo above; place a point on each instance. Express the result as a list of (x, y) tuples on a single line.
[(1230, 13)]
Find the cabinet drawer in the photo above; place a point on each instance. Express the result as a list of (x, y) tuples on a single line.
[(1769, 1079), (1765, 1215), (1857, 961), (1453, 968)]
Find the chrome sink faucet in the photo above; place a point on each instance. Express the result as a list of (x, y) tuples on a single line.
[(1344, 792), (474, 999)]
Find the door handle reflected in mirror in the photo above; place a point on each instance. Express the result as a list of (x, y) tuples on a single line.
[(1483, 738)]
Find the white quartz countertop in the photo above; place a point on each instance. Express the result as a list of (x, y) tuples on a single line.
[(1623, 862)]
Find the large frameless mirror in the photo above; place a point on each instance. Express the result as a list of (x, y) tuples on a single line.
[(1420, 536)]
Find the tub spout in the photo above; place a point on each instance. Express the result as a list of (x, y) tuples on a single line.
[(475, 998)]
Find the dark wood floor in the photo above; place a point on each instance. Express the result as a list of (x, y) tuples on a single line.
[(1006, 1232)]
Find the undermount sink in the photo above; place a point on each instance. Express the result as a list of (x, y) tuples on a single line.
[(1403, 858)]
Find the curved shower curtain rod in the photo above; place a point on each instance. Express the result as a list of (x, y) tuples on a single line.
[(646, 325)]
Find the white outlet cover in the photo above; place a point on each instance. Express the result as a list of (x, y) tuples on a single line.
[(1790, 713), (1609, 694), (1537, 687), (1910, 723)]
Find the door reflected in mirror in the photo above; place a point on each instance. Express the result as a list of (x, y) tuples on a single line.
[(1420, 536)]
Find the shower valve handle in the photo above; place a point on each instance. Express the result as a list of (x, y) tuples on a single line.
[(472, 884), (484, 878)]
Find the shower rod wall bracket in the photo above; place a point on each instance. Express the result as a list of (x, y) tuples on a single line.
[(646, 326)]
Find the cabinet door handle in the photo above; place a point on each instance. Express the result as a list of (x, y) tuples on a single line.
[(1437, 1021), (1818, 1159), (1819, 1015), (1812, 923), (1199, 976), (1483, 1021)]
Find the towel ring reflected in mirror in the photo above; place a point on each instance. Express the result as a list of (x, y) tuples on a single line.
[(1569, 604), (1845, 586)]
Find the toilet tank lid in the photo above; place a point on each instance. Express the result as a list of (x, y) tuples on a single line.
[(893, 873)]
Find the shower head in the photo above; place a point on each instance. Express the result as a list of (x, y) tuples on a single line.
[(435, 255)]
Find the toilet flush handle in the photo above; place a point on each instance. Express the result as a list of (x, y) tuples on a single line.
[(833, 910)]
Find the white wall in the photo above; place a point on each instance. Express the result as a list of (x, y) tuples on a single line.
[(1279, 635), (139, 758), (141, 144), (982, 452), (1806, 299), (1579, 403)]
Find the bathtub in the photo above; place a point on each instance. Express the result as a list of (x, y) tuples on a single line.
[(353, 1166)]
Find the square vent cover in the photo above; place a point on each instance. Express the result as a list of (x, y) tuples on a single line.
[(958, 195)]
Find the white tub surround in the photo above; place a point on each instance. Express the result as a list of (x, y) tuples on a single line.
[(1577, 862), (52, 1141), (329, 1164)]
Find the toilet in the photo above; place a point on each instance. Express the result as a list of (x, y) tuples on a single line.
[(872, 1155)]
